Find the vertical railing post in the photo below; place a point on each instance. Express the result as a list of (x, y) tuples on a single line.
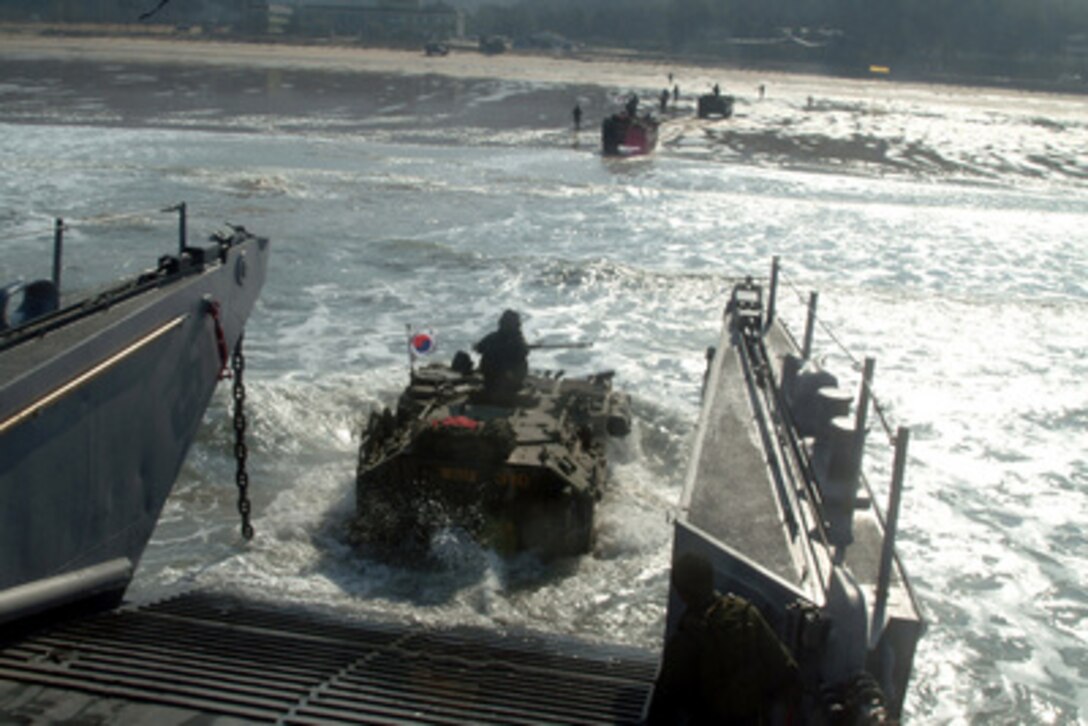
[(183, 234), (862, 412), (810, 325), (772, 295), (58, 250), (891, 522)]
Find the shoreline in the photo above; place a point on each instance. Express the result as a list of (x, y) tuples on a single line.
[(805, 122), (608, 68), (516, 65)]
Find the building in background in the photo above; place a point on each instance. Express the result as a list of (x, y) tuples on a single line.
[(405, 20), (244, 16), (371, 20)]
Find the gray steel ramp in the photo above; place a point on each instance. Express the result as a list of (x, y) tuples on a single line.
[(730, 486), (202, 658)]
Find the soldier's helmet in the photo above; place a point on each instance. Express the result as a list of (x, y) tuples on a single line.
[(510, 320)]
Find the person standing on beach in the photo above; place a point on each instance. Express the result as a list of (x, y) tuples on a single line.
[(577, 114)]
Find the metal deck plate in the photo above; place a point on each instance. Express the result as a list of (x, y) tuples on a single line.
[(204, 657)]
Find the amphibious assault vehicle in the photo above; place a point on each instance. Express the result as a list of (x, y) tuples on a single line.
[(518, 473), (715, 104), (627, 134)]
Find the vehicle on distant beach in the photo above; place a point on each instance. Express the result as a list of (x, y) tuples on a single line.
[(436, 48), (492, 45), (715, 104)]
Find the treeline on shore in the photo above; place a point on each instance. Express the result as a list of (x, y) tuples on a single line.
[(1043, 39)]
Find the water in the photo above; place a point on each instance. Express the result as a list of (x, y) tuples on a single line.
[(944, 229)]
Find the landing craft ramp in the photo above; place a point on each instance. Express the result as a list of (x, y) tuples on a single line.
[(222, 659), (777, 501)]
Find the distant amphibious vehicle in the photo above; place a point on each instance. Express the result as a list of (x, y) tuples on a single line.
[(715, 105), (522, 472), (627, 133)]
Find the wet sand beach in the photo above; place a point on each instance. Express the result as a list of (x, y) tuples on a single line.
[(512, 66), (617, 69), (856, 126)]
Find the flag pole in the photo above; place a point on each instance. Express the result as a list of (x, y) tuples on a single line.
[(408, 345)]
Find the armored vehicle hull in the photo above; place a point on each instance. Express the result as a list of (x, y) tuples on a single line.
[(521, 473), (714, 104)]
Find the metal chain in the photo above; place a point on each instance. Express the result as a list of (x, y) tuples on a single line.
[(238, 364)]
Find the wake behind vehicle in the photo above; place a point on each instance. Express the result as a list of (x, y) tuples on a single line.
[(518, 473)]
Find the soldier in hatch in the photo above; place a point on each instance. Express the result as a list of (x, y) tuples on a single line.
[(504, 357)]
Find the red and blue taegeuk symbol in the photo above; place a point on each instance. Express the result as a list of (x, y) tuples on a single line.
[(423, 343)]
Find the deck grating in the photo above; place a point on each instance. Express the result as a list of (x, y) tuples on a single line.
[(224, 656)]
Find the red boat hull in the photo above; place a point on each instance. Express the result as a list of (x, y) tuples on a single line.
[(624, 135)]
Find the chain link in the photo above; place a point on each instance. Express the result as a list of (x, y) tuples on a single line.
[(238, 364)]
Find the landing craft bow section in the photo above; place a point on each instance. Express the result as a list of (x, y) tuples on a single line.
[(101, 394), (777, 501)]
